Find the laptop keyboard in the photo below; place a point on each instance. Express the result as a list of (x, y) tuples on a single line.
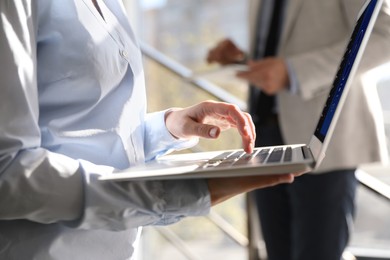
[(259, 155)]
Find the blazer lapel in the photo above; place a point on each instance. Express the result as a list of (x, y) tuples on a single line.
[(292, 9), (254, 6)]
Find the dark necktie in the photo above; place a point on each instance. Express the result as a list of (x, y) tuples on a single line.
[(261, 105)]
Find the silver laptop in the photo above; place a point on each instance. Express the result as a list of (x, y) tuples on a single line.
[(275, 159)]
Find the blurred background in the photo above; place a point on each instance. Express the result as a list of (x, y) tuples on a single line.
[(175, 36)]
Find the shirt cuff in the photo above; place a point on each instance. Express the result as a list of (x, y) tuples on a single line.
[(158, 140), (294, 83), (112, 205)]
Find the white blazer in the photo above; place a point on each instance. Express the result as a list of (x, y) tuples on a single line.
[(314, 38)]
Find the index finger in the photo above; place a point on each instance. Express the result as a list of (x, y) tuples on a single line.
[(241, 120)]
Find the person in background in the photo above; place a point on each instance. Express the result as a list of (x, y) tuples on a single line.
[(295, 49), (72, 109)]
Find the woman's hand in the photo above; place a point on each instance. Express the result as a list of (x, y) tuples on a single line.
[(207, 119), (222, 189)]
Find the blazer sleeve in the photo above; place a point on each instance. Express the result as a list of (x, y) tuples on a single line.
[(316, 79)]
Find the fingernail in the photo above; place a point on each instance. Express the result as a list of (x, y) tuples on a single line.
[(213, 132)]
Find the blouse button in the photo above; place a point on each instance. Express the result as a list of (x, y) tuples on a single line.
[(124, 53)]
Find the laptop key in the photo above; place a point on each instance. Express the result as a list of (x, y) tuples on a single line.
[(276, 155), (221, 156), (244, 159), (224, 159), (262, 155), (288, 154)]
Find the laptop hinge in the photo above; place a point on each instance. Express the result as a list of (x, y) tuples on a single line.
[(307, 154)]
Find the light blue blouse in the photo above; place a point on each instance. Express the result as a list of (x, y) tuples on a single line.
[(72, 108)]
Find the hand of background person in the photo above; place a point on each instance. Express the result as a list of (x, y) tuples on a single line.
[(225, 52), (222, 189), (207, 119), (268, 74)]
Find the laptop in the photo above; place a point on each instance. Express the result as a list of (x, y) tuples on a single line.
[(273, 159)]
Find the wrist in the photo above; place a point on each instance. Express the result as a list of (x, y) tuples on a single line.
[(168, 120)]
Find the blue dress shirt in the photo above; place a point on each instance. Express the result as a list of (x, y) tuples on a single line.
[(73, 108)]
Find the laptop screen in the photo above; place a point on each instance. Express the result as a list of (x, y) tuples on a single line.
[(344, 71)]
